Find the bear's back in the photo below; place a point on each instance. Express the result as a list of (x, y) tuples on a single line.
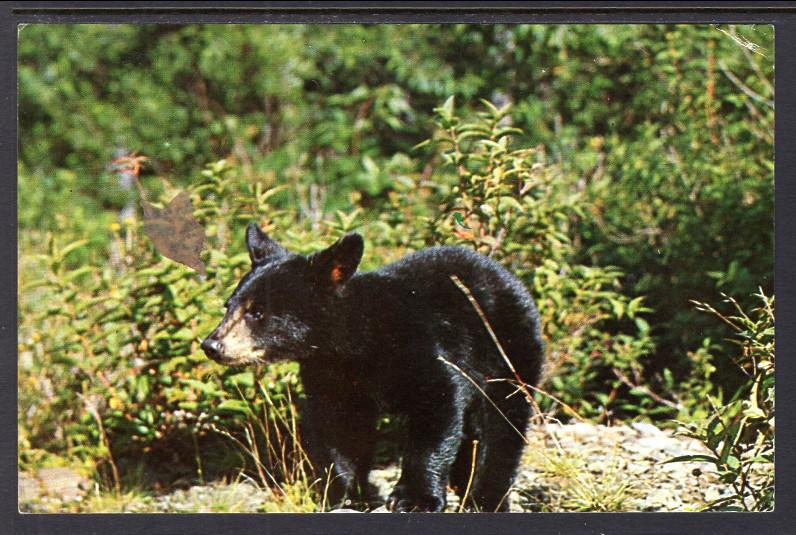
[(430, 270), (428, 298)]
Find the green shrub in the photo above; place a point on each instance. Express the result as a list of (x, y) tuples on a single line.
[(740, 433), (113, 343), (682, 192), (668, 129)]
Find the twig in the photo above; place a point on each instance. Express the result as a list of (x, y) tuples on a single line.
[(568, 409), (622, 377), (470, 479), (492, 334), (489, 399), (753, 63), (198, 457), (743, 87), (91, 407), (748, 45), (326, 487)]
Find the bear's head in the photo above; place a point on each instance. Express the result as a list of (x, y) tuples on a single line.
[(286, 305)]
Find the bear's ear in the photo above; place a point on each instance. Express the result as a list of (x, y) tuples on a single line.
[(335, 265), (260, 245)]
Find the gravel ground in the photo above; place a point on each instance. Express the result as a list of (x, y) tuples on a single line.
[(574, 467), (589, 467)]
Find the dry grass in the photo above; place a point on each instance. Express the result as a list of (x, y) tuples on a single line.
[(573, 483)]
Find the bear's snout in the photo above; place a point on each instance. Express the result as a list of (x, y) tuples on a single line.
[(212, 348)]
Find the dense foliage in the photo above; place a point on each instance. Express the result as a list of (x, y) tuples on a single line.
[(740, 433), (620, 171)]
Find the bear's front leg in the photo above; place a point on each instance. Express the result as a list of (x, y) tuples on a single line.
[(340, 437), (435, 433)]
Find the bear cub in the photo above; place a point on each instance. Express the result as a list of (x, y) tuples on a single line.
[(401, 340)]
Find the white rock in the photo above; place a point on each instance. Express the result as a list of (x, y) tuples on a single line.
[(644, 428)]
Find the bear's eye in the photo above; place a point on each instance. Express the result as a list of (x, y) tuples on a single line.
[(255, 313)]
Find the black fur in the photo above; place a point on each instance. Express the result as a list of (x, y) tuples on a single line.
[(369, 343)]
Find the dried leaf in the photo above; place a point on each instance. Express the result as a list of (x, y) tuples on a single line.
[(464, 234), (175, 232)]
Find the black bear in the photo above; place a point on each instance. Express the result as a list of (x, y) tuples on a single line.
[(405, 340)]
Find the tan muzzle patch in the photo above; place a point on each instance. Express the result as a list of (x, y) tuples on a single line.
[(239, 346)]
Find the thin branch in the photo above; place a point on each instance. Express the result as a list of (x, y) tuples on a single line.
[(568, 409), (624, 379), (763, 78), (745, 43), (492, 334), (470, 479), (744, 88), (483, 392)]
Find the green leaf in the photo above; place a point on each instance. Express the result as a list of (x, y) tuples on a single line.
[(233, 405), (420, 145), (713, 437), (71, 247), (733, 462), (692, 458), (642, 325), (245, 379), (668, 377), (730, 437), (72, 275), (491, 107), (446, 111)]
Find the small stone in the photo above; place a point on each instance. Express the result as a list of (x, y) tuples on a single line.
[(382, 509), (644, 428), (62, 482), (657, 448), (28, 488), (583, 429)]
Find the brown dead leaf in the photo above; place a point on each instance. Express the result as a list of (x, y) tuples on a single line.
[(464, 234), (175, 231)]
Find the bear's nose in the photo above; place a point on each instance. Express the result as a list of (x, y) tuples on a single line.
[(212, 348)]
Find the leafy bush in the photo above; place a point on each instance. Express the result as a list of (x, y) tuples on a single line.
[(115, 342), (740, 432), (668, 129), (682, 192)]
